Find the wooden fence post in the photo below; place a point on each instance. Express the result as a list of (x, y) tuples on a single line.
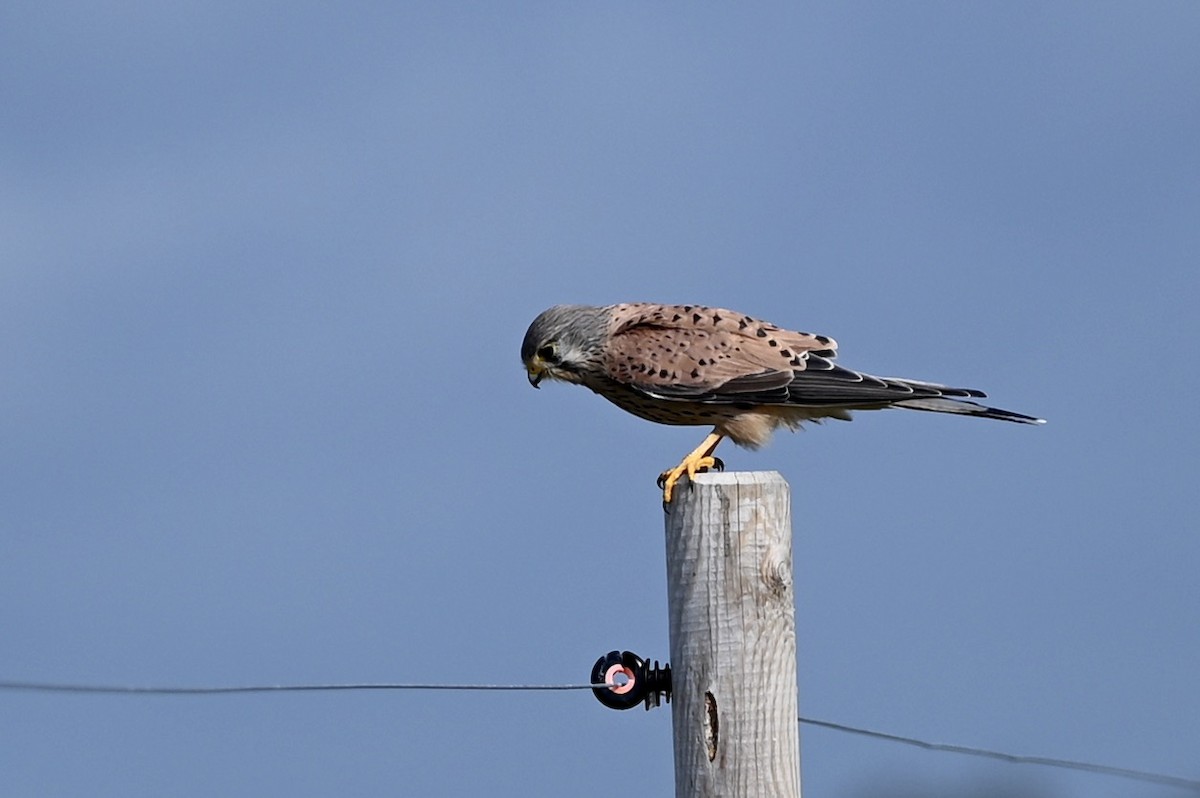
[(733, 637)]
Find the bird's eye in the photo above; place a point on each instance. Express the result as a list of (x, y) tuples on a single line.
[(548, 354)]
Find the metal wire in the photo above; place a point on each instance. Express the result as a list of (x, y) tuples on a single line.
[(1018, 759), (1067, 764), (50, 687)]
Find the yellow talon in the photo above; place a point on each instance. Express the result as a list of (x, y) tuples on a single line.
[(668, 479), (700, 459)]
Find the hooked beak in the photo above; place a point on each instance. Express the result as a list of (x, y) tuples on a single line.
[(534, 374)]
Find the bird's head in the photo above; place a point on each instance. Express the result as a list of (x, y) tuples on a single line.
[(563, 343)]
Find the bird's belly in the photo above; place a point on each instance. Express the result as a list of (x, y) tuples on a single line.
[(744, 424), (666, 411)]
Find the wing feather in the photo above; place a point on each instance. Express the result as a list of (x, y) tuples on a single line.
[(716, 356)]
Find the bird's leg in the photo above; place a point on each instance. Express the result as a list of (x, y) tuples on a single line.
[(700, 459)]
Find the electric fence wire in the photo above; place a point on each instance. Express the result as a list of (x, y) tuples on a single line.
[(1066, 764)]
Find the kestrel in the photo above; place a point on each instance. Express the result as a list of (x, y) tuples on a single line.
[(694, 365)]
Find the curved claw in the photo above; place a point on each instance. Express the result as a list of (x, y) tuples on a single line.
[(691, 466), (718, 464), (698, 460)]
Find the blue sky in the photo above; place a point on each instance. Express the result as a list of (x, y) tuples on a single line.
[(264, 273)]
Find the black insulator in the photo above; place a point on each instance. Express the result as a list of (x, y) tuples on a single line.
[(629, 680)]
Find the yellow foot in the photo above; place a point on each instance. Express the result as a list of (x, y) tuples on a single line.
[(700, 459), (668, 479)]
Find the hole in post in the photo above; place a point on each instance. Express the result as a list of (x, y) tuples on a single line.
[(711, 726)]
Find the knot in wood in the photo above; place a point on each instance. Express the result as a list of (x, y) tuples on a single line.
[(777, 574)]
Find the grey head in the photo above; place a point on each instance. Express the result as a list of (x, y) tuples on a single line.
[(565, 343)]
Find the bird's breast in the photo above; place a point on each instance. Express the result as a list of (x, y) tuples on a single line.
[(745, 424), (663, 411)]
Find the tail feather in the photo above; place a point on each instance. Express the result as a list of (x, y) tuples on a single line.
[(941, 404)]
